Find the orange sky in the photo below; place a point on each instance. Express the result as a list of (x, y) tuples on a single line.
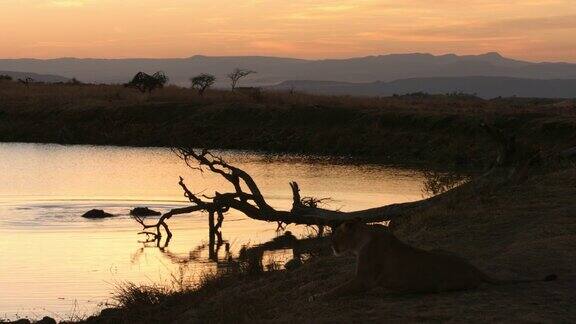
[(538, 30)]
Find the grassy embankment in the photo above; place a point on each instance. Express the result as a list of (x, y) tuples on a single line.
[(438, 129)]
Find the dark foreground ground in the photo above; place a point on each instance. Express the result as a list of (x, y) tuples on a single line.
[(522, 230)]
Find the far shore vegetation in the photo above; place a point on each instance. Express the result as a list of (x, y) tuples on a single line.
[(416, 128)]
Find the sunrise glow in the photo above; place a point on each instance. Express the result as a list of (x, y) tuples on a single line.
[(538, 30)]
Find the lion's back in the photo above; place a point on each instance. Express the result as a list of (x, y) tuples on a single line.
[(404, 268)]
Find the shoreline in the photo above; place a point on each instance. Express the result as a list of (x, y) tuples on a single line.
[(409, 165), (434, 130)]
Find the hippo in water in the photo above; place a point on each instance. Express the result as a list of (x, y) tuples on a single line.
[(144, 211), (96, 213)]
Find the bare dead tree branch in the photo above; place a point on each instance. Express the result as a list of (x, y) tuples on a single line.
[(247, 198), (251, 202)]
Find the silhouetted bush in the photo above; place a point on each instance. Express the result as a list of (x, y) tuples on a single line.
[(202, 82), (236, 75), (147, 83)]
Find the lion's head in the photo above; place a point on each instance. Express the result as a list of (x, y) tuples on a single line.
[(348, 236)]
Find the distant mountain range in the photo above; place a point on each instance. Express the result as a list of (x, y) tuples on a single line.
[(484, 87), (406, 68), (37, 77)]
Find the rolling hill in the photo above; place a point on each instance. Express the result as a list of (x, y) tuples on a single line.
[(50, 78), (273, 70), (482, 86)]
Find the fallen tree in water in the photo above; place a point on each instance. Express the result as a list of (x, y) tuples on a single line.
[(248, 199)]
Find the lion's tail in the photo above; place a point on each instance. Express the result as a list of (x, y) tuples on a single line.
[(494, 281)]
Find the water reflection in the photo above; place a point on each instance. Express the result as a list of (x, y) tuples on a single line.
[(213, 248), (283, 251)]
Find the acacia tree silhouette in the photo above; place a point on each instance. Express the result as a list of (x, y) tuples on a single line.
[(147, 83), (202, 82), (238, 74)]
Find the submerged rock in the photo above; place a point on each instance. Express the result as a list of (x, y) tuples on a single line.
[(144, 211), (96, 213)]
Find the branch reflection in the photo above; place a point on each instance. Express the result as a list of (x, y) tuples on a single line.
[(284, 251)]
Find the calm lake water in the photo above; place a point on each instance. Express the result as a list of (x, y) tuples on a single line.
[(54, 262)]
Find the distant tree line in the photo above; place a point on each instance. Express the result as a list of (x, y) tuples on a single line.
[(202, 82), (147, 83), (423, 95), (28, 80)]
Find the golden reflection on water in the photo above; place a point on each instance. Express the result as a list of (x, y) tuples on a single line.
[(53, 262)]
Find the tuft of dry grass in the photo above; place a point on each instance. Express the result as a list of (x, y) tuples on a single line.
[(130, 295)]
